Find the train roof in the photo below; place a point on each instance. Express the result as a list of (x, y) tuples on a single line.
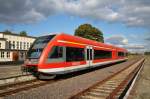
[(67, 37)]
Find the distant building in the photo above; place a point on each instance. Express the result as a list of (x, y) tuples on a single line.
[(13, 47)]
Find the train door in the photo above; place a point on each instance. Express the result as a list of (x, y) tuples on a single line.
[(89, 55)]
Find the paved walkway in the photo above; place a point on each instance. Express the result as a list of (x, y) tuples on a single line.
[(10, 70)]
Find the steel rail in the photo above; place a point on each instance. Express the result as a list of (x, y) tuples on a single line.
[(11, 89), (112, 90)]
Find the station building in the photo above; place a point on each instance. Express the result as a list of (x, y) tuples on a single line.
[(13, 47)]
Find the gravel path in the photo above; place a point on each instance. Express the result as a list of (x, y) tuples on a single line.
[(68, 87), (141, 89)]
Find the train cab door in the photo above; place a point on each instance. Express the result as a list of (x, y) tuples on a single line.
[(89, 55)]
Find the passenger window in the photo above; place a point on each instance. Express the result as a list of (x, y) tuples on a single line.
[(74, 54), (56, 54), (101, 54), (126, 54), (88, 51), (121, 54)]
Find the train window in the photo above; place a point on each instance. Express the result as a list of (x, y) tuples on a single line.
[(56, 54), (44, 39), (126, 54), (121, 54), (101, 54), (88, 51), (41, 42), (91, 54), (34, 53), (38, 46), (74, 54)]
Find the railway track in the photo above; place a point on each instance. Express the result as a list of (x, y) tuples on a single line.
[(14, 84), (9, 89), (14, 88), (16, 79), (113, 87)]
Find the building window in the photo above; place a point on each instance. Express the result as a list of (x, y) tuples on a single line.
[(27, 45), (74, 54), (20, 45), (9, 44), (101, 54), (8, 54), (17, 45), (2, 54), (25, 54), (30, 44), (13, 44), (22, 54), (24, 45)]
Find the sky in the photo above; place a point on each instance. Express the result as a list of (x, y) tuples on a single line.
[(124, 23)]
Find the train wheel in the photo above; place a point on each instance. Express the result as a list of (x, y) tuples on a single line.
[(42, 76)]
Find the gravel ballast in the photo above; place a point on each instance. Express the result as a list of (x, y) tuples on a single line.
[(141, 89), (68, 87)]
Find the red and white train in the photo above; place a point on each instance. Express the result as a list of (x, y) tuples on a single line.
[(63, 53)]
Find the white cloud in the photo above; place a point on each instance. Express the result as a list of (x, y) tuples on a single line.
[(118, 40), (122, 41), (132, 13), (25, 11), (135, 46), (129, 12)]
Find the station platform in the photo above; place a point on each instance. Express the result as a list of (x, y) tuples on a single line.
[(7, 71)]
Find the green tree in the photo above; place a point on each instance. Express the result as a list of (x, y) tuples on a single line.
[(23, 33), (7, 32), (89, 32), (147, 53)]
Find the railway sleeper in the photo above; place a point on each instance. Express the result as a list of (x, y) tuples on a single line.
[(90, 97), (107, 87), (111, 84), (96, 94), (100, 90)]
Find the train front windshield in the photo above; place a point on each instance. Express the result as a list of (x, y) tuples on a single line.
[(38, 46)]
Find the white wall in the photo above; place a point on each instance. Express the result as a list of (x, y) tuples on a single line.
[(2, 44), (5, 58), (19, 39), (1, 35)]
